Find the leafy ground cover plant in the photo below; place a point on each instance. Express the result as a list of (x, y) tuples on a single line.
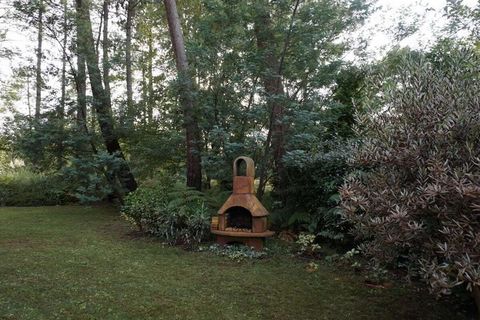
[(415, 200), (235, 252), (307, 246), (170, 211)]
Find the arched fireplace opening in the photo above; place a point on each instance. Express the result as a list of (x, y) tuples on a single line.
[(238, 218), (240, 168)]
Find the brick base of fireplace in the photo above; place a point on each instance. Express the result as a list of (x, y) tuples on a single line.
[(253, 242)]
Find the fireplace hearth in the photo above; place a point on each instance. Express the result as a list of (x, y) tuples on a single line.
[(242, 218), (238, 218)]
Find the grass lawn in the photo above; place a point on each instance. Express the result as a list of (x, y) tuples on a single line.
[(80, 263)]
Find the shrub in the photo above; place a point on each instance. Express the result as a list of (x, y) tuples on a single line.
[(318, 146), (170, 211), (91, 178), (416, 200), (26, 188), (313, 182)]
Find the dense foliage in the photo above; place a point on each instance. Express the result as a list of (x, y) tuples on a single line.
[(170, 211), (26, 188), (414, 199)]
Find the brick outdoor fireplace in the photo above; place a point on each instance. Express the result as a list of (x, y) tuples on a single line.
[(242, 218)]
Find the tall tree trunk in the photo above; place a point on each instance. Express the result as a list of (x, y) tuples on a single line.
[(193, 141), (272, 80), (274, 94), (61, 107), (61, 110), (144, 92), (151, 97), (128, 61), (81, 84), (105, 48), (39, 82), (81, 89), (28, 94), (81, 79), (101, 100)]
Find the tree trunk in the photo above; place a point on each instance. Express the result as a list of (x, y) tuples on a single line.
[(61, 110), (128, 61), (151, 97), (274, 94), (272, 80), (144, 91), (81, 89), (101, 100), (61, 106), (81, 80), (193, 143), (39, 83), (28, 95), (105, 48)]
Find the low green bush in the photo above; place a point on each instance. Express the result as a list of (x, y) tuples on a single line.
[(22, 187), (170, 211)]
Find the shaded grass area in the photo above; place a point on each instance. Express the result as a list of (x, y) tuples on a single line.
[(81, 263)]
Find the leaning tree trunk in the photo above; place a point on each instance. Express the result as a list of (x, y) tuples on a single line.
[(194, 166), (101, 100), (38, 83)]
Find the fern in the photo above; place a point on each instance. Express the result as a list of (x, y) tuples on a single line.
[(173, 212)]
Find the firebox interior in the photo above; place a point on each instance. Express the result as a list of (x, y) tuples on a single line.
[(239, 217)]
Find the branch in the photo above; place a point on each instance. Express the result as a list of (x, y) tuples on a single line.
[(287, 39)]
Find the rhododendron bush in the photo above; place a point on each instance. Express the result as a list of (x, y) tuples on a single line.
[(414, 198)]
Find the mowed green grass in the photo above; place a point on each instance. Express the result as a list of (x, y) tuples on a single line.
[(76, 262)]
